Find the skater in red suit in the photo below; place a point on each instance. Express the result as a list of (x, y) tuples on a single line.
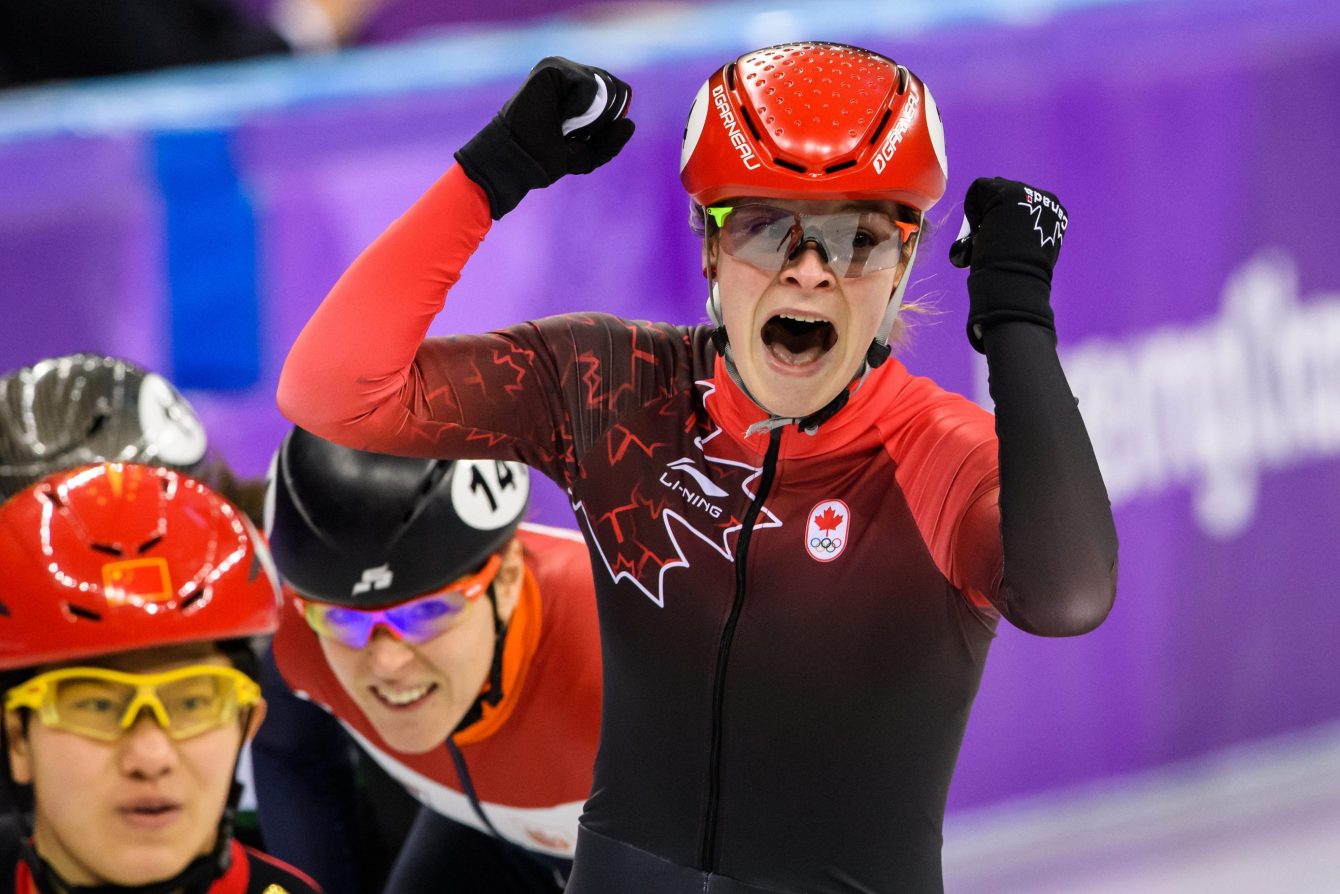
[(457, 647)]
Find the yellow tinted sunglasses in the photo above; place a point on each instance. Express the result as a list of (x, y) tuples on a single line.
[(102, 704)]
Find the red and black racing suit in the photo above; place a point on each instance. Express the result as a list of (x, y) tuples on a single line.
[(520, 772), (793, 627)]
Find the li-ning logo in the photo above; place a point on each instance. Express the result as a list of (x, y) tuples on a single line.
[(895, 137), (827, 532), (378, 578), (647, 560), (728, 121), (1038, 201), (705, 484)]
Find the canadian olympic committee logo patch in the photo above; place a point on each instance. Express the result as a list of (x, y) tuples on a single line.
[(826, 533)]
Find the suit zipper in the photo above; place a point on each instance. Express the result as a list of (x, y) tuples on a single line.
[(708, 853)]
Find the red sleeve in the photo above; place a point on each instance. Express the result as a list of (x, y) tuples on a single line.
[(945, 452), (362, 374), (352, 374)]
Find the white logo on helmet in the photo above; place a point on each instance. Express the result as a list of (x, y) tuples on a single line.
[(900, 128), (936, 128), (693, 130), (489, 494), (733, 132), (378, 578), (172, 432)]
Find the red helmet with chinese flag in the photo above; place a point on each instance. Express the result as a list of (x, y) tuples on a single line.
[(119, 556), (814, 121)]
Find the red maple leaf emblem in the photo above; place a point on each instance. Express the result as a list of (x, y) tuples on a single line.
[(828, 520)]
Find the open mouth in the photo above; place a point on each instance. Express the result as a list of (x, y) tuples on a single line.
[(403, 698), (797, 340), (150, 813)]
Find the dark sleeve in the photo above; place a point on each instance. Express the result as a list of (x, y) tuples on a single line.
[(303, 762), (42, 40), (443, 855), (1060, 543)]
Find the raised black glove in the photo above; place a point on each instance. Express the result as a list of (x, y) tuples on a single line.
[(566, 119), (1011, 237)]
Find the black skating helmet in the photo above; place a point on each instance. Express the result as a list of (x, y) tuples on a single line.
[(68, 411), (368, 530)]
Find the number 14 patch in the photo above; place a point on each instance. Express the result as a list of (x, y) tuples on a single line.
[(826, 532)]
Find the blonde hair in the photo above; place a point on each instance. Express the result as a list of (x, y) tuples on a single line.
[(924, 307)]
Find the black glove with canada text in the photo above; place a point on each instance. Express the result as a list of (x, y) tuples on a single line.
[(1011, 238), (567, 118)]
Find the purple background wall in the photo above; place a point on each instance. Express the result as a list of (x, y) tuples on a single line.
[(393, 20), (1198, 301)]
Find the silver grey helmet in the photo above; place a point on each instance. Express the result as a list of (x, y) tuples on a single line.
[(65, 411)]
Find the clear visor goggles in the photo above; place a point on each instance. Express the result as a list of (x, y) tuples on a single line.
[(852, 242), (101, 703), (415, 621)]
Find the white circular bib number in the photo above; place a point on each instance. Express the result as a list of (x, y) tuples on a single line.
[(489, 494)]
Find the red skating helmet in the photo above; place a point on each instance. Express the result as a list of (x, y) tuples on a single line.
[(814, 121), (120, 556)]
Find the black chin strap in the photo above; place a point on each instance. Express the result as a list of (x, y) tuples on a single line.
[(720, 340), (491, 694), (810, 424)]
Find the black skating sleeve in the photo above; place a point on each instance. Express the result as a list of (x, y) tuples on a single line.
[(1060, 542)]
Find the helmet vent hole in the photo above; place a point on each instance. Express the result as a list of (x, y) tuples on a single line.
[(790, 166), (97, 424), (4, 610), (193, 597), (78, 611), (52, 496), (730, 76), (840, 166), (150, 544), (110, 549), (882, 123)]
